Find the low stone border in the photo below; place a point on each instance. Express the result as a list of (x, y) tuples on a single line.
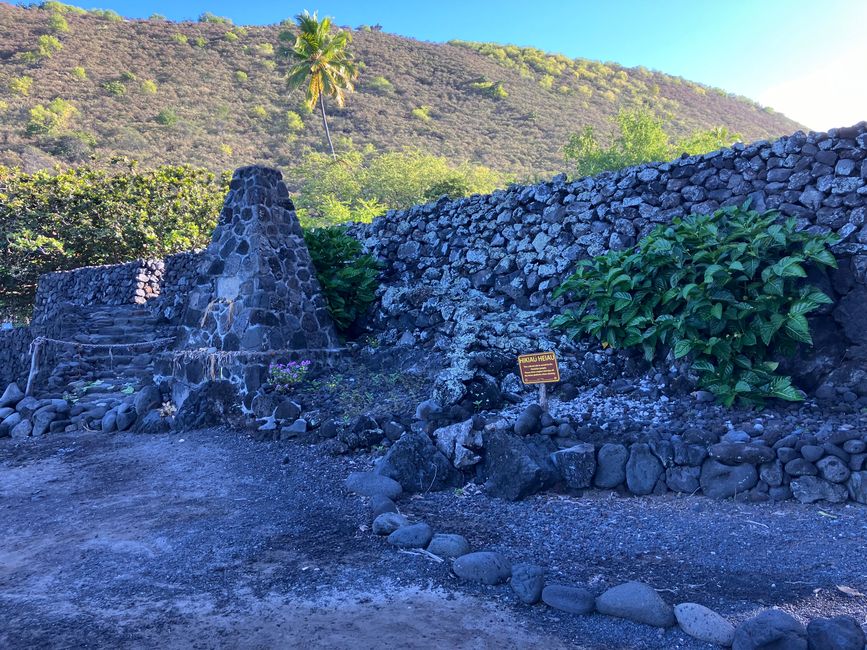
[(633, 601)]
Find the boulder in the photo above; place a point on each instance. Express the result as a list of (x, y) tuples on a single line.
[(704, 624), (576, 465), (833, 469), (22, 429), (379, 503), (515, 467), (11, 396), (575, 600), (428, 410), (369, 484), (611, 466), (28, 406), (721, 481), (682, 479), (637, 602), (388, 522), (125, 417), (527, 582), (460, 443), (413, 536), (735, 453), (153, 422), (809, 489), (838, 633), (42, 420), (643, 469), (208, 405), (856, 485), (487, 567), (448, 545), (109, 421), (529, 421), (147, 399), (770, 629), (417, 465)]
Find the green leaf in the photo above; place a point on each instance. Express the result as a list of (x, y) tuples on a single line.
[(682, 348)]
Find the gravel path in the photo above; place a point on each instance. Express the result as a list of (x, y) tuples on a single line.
[(211, 540)]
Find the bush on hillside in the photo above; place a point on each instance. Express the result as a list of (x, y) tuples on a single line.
[(348, 277), (725, 291), (51, 119), (360, 185), (21, 85), (54, 221), (641, 139)]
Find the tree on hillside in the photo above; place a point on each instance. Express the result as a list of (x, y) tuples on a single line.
[(320, 61), (641, 138)]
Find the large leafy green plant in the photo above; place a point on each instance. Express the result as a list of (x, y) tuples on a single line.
[(725, 291), (348, 276)]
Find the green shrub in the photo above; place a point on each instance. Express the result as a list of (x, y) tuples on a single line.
[(61, 8), (180, 39), (46, 46), (126, 75), (4, 106), (57, 24), (348, 276), (208, 17), (115, 87), (79, 73), (231, 37), (422, 113), (294, 122), (149, 87), (495, 89), (59, 220), (167, 117), (258, 112), (106, 14), (157, 17), (74, 147), (200, 41), (380, 85), (50, 119), (265, 49), (725, 291), (641, 139), (241, 76), (21, 85)]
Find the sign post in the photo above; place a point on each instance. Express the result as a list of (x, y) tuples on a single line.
[(539, 368)]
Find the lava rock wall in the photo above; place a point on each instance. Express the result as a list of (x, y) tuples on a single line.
[(515, 246)]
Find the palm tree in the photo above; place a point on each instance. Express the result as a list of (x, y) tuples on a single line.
[(321, 62)]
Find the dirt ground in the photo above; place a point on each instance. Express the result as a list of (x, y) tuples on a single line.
[(210, 540)]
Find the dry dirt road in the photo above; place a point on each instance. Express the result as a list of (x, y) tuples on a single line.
[(210, 540)]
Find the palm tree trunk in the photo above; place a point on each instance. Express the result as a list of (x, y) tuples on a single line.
[(325, 124)]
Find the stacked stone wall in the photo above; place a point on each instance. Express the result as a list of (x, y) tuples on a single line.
[(515, 246)]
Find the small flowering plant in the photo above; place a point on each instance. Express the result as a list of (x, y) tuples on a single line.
[(285, 376)]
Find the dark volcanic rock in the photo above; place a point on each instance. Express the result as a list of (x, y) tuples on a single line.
[(515, 468), (643, 469), (417, 465), (770, 629), (208, 405), (722, 481)]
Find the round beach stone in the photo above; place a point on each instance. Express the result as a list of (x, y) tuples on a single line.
[(448, 545), (487, 567), (833, 469), (369, 484), (412, 536), (388, 522), (838, 633), (575, 600), (704, 624), (379, 504), (637, 602), (721, 481), (527, 582), (611, 466), (770, 629)]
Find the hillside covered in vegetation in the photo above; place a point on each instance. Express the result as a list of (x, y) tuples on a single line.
[(79, 85)]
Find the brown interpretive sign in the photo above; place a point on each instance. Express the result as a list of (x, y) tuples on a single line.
[(539, 368)]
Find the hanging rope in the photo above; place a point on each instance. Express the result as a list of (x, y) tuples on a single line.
[(37, 343)]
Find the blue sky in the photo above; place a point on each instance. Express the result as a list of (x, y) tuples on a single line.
[(805, 58)]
